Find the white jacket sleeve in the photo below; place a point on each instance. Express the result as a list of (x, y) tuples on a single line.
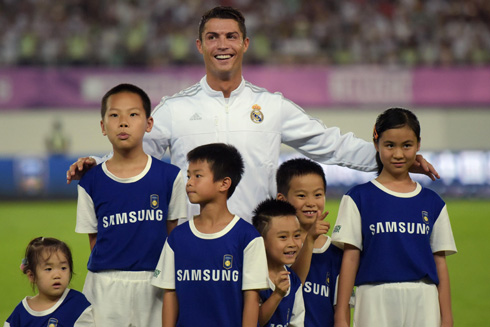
[(157, 141), (324, 144)]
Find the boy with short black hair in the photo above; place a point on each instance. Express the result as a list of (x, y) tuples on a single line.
[(302, 183), (282, 304), (213, 265), (127, 206)]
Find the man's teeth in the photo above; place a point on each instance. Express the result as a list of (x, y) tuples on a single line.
[(223, 56)]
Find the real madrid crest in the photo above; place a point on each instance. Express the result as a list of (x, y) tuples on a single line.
[(256, 115)]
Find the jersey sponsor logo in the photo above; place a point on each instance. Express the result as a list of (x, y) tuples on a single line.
[(52, 322), (256, 115), (399, 227), (207, 275), (154, 201), (317, 289), (132, 217), (227, 261)]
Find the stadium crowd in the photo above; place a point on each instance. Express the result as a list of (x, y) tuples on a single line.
[(153, 33)]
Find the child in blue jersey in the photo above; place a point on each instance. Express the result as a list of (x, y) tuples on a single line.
[(127, 205), (49, 266), (396, 235), (282, 303), (212, 266), (302, 183)]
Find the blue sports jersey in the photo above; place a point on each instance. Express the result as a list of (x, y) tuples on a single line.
[(396, 233), (72, 307), (286, 308), (209, 272), (320, 286), (131, 216)]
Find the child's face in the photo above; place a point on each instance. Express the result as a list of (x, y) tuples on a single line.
[(397, 149), (200, 186), (125, 121), (52, 275), (282, 241), (307, 195)]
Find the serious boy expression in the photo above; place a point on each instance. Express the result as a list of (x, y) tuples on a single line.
[(222, 47), (125, 121)]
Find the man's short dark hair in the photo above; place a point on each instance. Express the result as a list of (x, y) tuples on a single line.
[(222, 12)]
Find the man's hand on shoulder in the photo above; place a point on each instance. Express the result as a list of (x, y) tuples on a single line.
[(422, 166), (79, 168)]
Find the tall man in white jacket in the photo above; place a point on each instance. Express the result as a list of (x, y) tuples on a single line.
[(223, 107)]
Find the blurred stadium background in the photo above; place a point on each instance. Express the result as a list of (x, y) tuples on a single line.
[(342, 61)]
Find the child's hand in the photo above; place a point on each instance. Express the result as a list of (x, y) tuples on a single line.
[(282, 283), (320, 226)]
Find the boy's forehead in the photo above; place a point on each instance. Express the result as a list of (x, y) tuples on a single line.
[(285, 222), (309, 180), (199, 165)]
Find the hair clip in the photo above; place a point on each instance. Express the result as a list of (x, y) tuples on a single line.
[(23, 264), (375, 134)]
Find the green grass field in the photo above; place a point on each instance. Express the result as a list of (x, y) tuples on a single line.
[(22, 221)]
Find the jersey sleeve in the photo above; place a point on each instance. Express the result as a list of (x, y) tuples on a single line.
[(177, 207), (156, 142), (164, 276), (441, 238), (86, 319), (255, 271), (86, 218), (324, 144), (298, 314), (348, 225)]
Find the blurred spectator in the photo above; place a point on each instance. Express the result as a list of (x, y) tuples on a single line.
[(155, 33)]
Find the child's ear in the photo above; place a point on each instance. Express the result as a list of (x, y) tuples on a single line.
[(31, 277), (149, 124), (281, 197), (102, 127), (225, 184)]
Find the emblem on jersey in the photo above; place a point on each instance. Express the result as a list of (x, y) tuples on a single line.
[(256, 115), (327, 280), (156, 273), (52, 322), (337, 229), (154, 202), (227, 261), (425, 216)]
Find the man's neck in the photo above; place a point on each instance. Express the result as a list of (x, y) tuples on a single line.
[(224, 85)]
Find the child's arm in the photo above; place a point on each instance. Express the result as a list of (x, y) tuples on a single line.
[(171, 224), (170, 309), (92, 238), (301, 265), (270, 305), (250, 308), (347, 277), (444, 290)]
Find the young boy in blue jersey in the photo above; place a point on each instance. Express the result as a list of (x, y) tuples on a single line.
[(282, 303), (212, 266), (127, 205), (302, 183)]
